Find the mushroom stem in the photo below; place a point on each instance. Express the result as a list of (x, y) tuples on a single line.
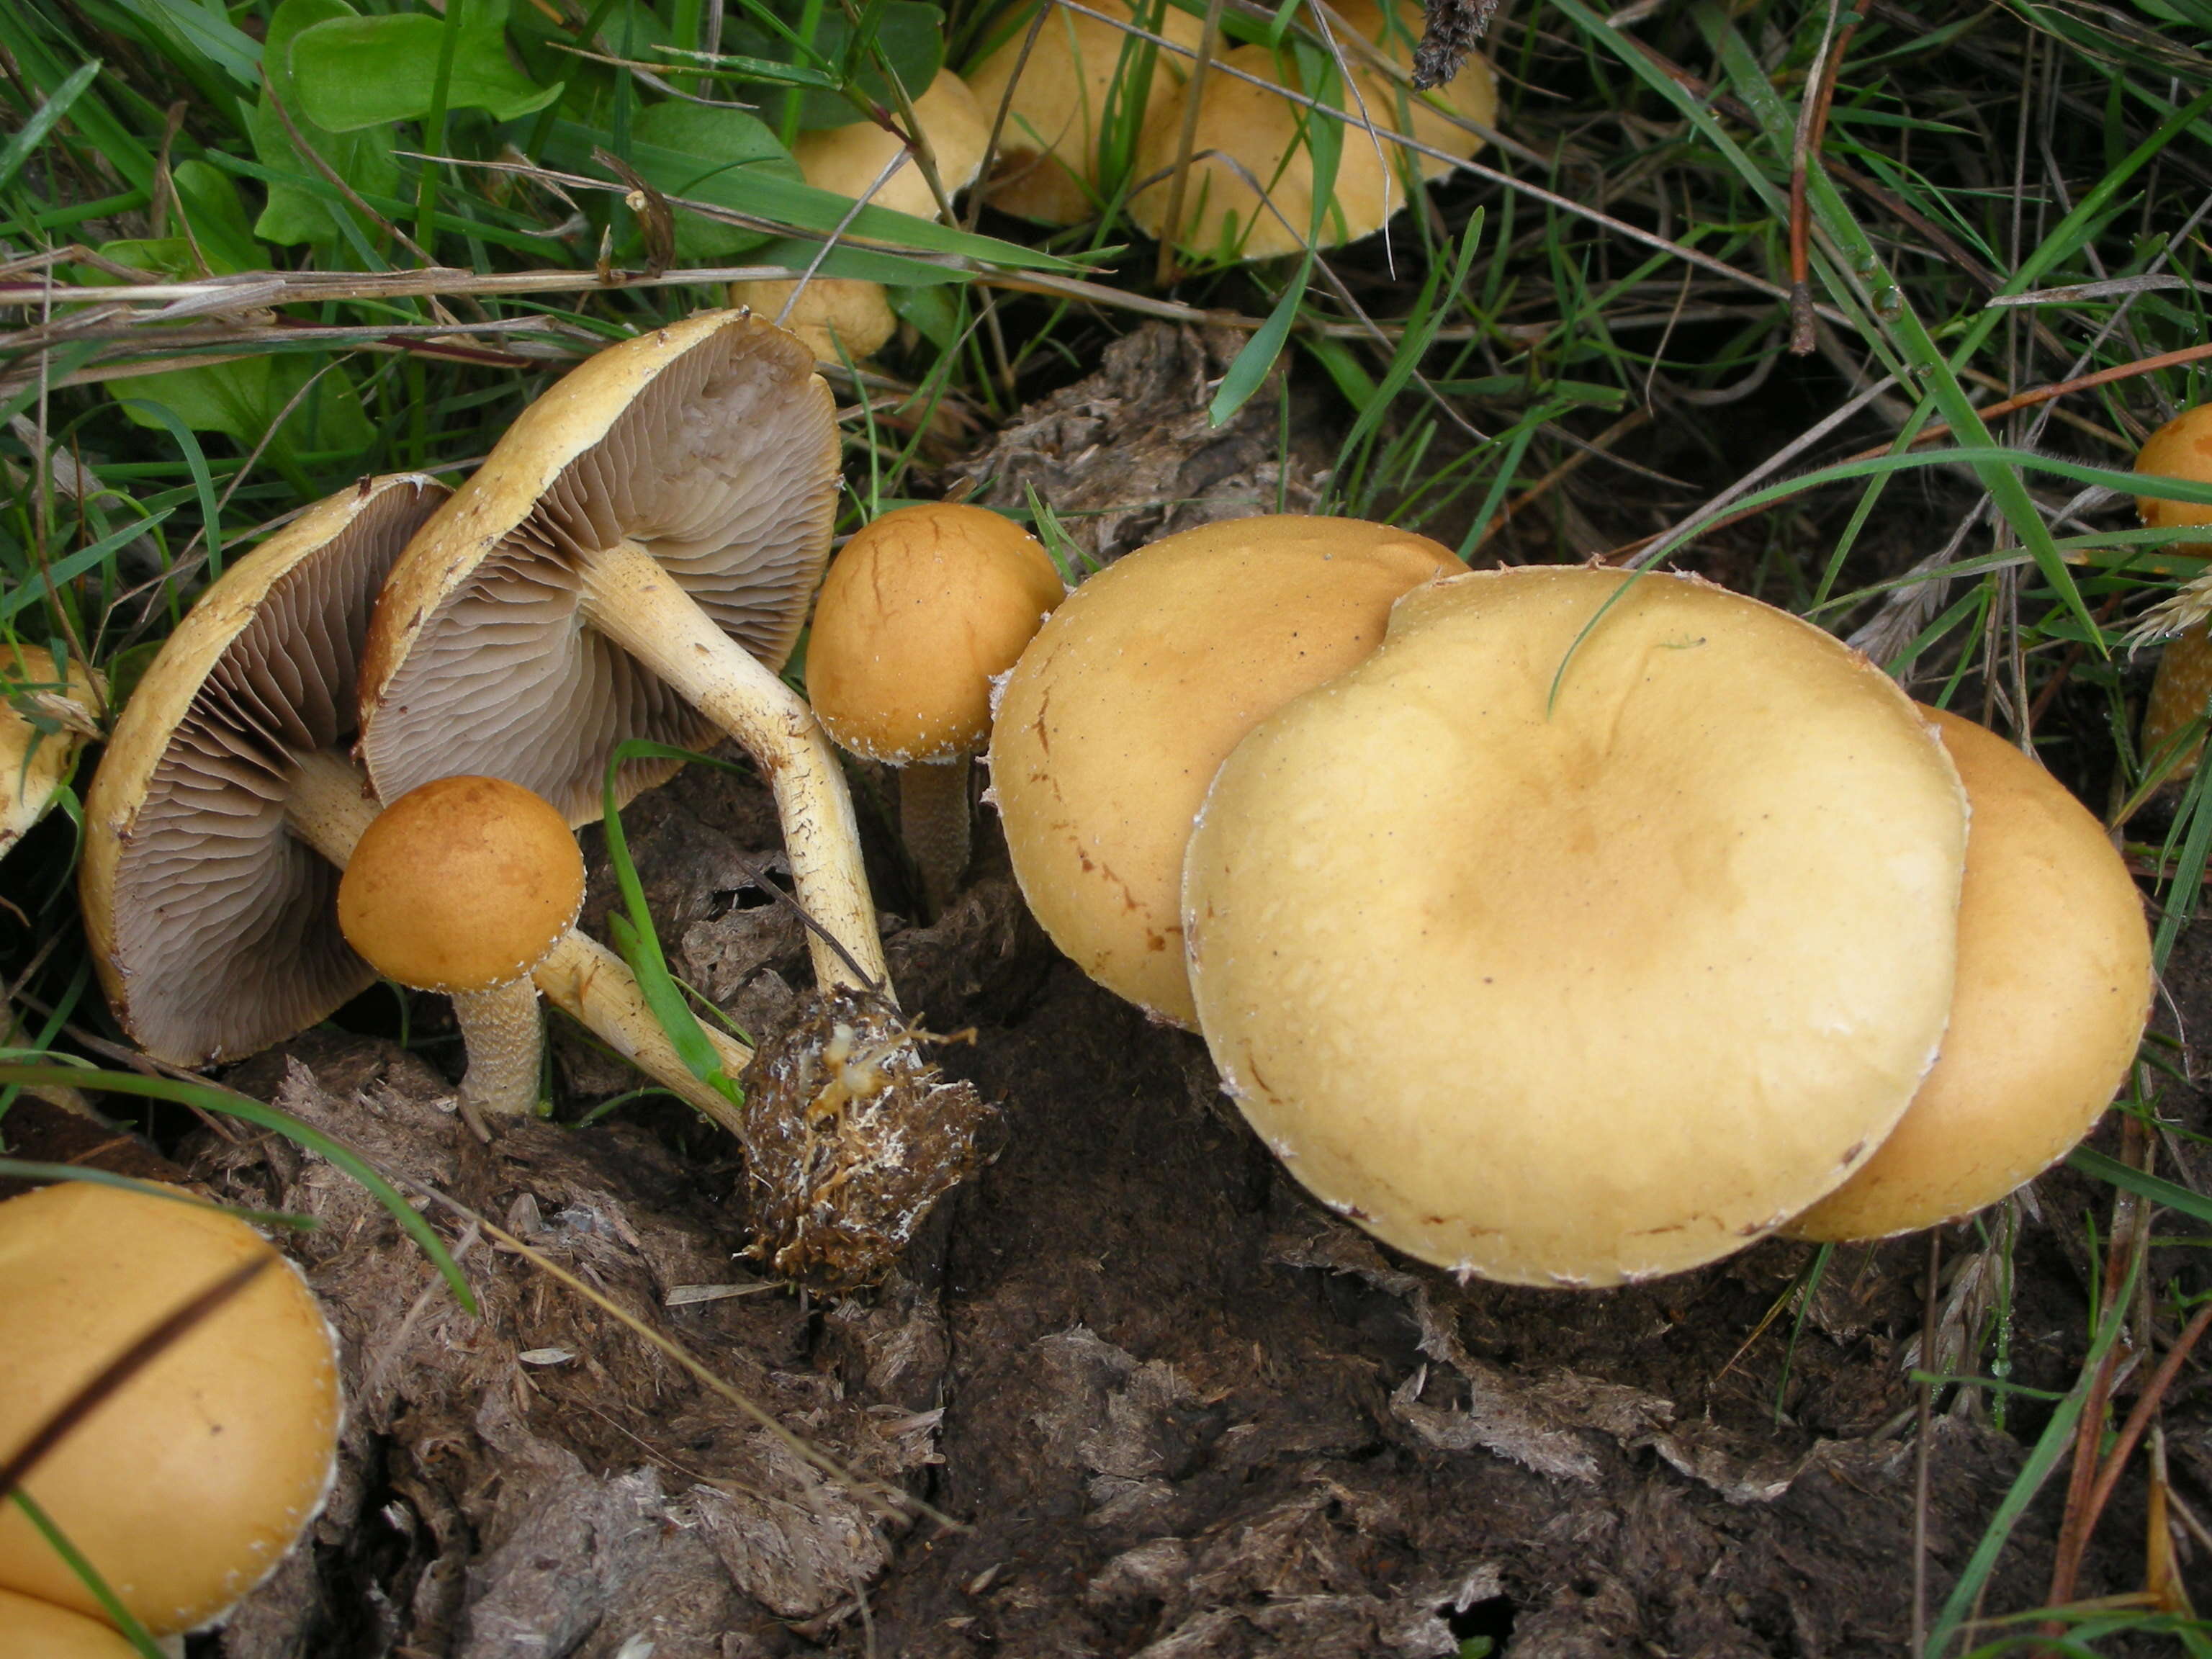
[(329, 808), (506, 1036), (640, 607), (933, 821)]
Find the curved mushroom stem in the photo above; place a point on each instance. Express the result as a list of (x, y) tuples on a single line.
[(328, 809), (640, 607), (505, 1035), (934, 822)]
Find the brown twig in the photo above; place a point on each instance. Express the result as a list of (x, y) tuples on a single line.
[(1804, 155)]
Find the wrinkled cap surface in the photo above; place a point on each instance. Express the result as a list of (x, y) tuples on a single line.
[(1112, 723), (462, 885), (211, 922), (921, 609), (2054, 986), (187, 1485), (713, 444), (1579, 991)]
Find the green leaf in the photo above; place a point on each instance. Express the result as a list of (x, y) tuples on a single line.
[(1249, 372), (243, 400), (708, 155), (934, 312), (18, 148), (204, 32), (301, 213), (354, 73), (907, 35), (217, 218)]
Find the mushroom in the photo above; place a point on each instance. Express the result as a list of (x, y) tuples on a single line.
[(1078, 83), (1246, 134), (850, 160), (31, 1629), (1112, 723), (640, 545), (225, 807), (2054, 986), (2180, 690), (186, 1485), (46, 715), (1570, 945), (464, 885), (925, 606)]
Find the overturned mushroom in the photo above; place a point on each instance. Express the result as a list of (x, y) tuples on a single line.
[(225, 808), (46, 715), (633, 560)]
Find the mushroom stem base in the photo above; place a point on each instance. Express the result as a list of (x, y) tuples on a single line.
[(506, 1035), (934, 822), (328, 809), (629, 597)]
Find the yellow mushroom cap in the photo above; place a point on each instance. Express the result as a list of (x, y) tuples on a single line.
[(31, 1629), (2182, 449), (1578, 979), (462, 885), (1472, 95), (2054, 986), (189, 1484), (1243, 129), (2179, 693), (832, 312), (35, 762), (922, 609), (1047, 158), (1114, 718)]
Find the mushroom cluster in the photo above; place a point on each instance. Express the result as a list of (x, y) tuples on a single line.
[(1574, 927), (186, 1485)]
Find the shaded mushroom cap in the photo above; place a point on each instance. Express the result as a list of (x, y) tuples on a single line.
[(2182, 449), (1575, 980), (31, 1629), (924, 607), (1472, 95), (211, 921), (2179, 693), (848, 160), (187, 1485), (713, 444), (2054, 986), (1114, 718), (462, 885), (37, 750), (1047, 165)]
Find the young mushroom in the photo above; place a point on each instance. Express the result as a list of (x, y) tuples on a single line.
[(225, 808), (925, 606), (1118, 713), (186, 1485), (1570, 949), (2054, 985), (46, 716), (640, 545), (464, 885), (834, 311)]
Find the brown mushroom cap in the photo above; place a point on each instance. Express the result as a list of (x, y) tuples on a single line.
[(31, 1629), (34, 761), (2179, 693), (462, 885), (2182, 449), (2054, 985), (710, 443), (1047, 167), (1114, 720), (1577, 979), (211, 921), (922, 610), (189, 1484)]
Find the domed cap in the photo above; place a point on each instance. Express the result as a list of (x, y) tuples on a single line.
[(1047, 167), (711, 444), (189, 1484), (1472, 95), (211, 921), (2054, 985), (31, 1629), (462, 885), (1576, 989), (46, 715), (1114, 718), (2182, 449), (922, 610)]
